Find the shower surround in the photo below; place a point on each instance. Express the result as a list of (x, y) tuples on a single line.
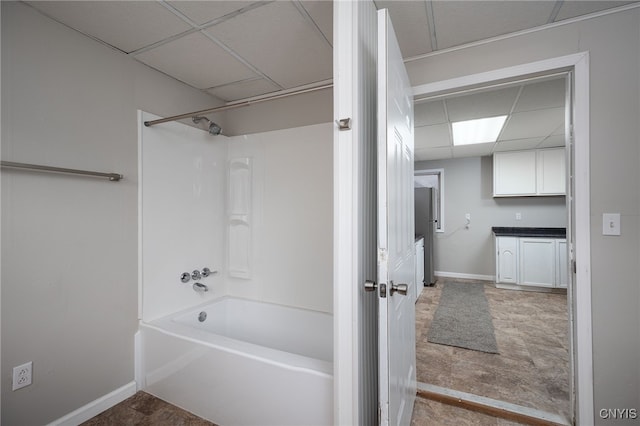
[(257, 209)]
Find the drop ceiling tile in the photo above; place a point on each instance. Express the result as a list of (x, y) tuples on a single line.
[(427, 113), (532, 124), (460, 22), (552, 141), (559, 130), (410, 24), (126, 25), (322, 14), (517, 144), (202, 12), (480, 105), (432, 154), (571, 9), (478, 150), (197, 61), (280, 42), (243, 89), (437, 135), (547, 94)]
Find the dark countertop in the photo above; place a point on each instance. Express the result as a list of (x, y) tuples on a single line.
[(529, 232)]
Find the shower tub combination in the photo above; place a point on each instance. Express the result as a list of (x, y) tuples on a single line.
[(237, 361)]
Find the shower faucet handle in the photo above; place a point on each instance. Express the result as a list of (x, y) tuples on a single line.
[(196, 275), (206, 272), (185, 277)]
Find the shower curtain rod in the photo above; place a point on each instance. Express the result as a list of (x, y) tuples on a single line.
[(237, 105), (113, 177)]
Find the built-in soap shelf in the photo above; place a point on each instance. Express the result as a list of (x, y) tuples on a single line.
[(239, 217)]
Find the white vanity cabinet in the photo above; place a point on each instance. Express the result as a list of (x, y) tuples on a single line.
[(507, 260), (537, 261), (531, 262), (419, 266), (538, 172)]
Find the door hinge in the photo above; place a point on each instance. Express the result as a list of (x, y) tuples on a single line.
[(573, 266), (344, 124)]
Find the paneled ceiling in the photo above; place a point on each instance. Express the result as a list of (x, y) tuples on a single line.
[(236, 50), (239, 49), (535, 119)]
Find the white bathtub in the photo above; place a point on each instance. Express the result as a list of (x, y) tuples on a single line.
[(248, 363)]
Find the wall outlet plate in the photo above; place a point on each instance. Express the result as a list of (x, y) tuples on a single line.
[(22, 375)]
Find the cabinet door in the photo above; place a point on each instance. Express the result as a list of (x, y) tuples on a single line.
[(507, 260), (562, 267), (514, 173), (537, 261), (551, 171)]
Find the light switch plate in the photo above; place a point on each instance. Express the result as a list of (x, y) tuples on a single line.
[(610, 223)]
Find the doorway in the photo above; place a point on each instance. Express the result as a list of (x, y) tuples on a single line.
[(576, 205)]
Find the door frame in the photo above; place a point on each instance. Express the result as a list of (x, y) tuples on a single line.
[(580, 286)]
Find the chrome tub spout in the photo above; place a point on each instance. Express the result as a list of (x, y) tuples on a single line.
[(200, 288)]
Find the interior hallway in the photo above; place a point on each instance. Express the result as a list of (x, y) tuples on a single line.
[(532, 369)]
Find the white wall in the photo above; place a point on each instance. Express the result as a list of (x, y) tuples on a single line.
[(293, 216), (612, 42), (468, 188), (69, 244)]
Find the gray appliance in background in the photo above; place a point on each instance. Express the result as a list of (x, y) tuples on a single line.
[(425, 225)]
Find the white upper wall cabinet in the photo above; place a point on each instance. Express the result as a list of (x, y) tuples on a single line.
[(550, 171), (529, 173), (514, 173)]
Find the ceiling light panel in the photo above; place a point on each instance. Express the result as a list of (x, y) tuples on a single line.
[(481, 130), (484, 104), (410, 24), (209, 64), (202, 12), (280, 42), (126, 25), (485, 19), (479, 150)]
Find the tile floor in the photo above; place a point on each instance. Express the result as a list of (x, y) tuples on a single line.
[(143, 409), (531, 370)]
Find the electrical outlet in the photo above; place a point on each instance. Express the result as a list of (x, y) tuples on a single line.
[(22, 375), (518, 216)]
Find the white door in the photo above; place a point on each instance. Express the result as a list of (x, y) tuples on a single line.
[(396, 254)]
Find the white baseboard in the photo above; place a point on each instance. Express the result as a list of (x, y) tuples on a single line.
[(96, 407), (464, 276)]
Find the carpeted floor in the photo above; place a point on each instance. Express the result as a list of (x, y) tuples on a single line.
[(532, 369)]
